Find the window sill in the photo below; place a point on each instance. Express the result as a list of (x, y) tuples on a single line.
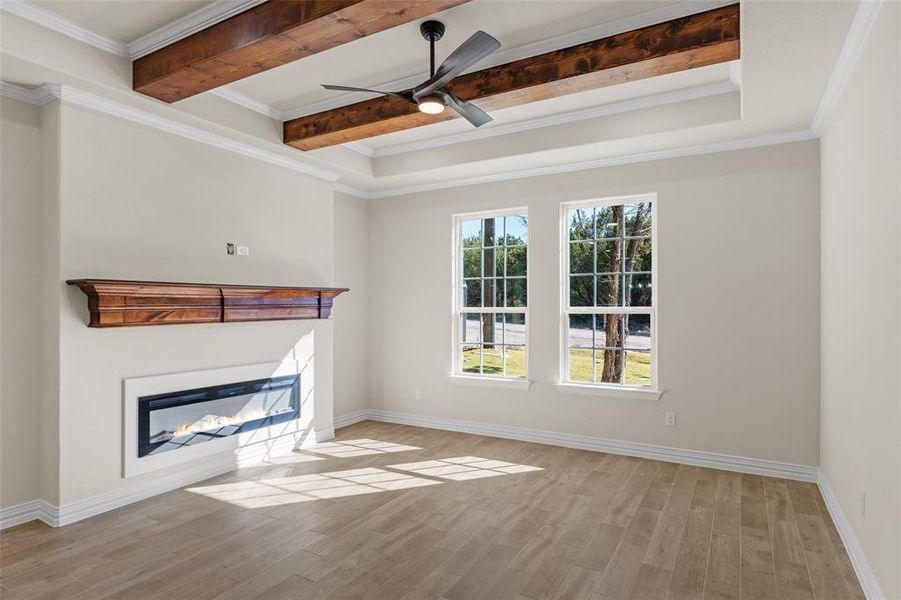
[(609, 391), (498, 382)]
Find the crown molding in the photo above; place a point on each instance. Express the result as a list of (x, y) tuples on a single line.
[(614, 161), (279, 115), (189, 24), (165, 35), (67, 27), (191, 132), (851, 50), (632, 104), (249, 103), (38, 96), (362, 148), (47, 92)]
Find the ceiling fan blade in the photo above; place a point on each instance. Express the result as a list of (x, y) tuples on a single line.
[(345, 88), (467, 110), (478, 46)]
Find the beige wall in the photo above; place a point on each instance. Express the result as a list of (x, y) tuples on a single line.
[(20, 308), (861, 300), (138, 203), (351, 308), (115, 199), (738, 305)]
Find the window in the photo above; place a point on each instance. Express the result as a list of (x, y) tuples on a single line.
[(609, 295), (491, 295)]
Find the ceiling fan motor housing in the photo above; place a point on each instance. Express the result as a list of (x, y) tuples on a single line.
[(432, 31)]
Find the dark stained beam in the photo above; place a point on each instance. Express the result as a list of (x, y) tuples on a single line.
[(698, 40), (266, 36)]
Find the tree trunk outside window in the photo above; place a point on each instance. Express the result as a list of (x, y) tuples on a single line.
[(612, 372), (613, 363), (488, 285)]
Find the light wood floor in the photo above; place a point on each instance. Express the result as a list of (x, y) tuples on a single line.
[(397, 512)]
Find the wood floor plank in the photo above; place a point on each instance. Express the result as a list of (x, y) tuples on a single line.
[(724, 561), (491, 561), (552, 570), (667, 537), (690, 570), (758, 577), (622, 571), (569, 524), (578, 584), (596, 555), (652, 583)]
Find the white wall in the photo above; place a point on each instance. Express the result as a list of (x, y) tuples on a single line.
[(738, 304), (20, 308), (351, 308), (138, 203), (861, 299)]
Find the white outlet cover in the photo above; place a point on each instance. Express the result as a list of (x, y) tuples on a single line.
[(243, 250)]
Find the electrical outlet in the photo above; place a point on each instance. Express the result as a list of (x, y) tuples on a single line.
[(670, 418), (243, 250), (863, 504), (230, 248), (417, 393)]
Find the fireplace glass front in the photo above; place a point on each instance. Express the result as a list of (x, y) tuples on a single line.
[(177, 419)]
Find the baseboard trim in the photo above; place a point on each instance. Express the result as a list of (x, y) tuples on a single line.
[(58, 516), (712, 460), (34, 510), (351, 418), (862, 568)]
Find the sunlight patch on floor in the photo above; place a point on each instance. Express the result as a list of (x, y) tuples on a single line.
[(462, 468), (304, 488), (361, 447)]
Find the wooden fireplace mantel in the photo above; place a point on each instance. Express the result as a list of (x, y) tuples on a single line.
[(121, 303)]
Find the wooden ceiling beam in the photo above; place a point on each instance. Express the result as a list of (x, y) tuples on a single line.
[(265, 36), (698, 40)]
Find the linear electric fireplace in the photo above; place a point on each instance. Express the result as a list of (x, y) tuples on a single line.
[(175, 420)]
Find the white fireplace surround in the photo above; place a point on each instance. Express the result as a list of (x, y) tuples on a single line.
[(276, 439)]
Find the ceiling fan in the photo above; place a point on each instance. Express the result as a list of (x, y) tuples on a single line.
[(431, 96)]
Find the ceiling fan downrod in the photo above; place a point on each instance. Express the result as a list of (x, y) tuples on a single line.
[(432, 31)]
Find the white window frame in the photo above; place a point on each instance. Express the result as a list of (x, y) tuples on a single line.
[(606, 389), (456, 373)]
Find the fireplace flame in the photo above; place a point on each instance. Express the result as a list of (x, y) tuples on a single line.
[(214, 422)]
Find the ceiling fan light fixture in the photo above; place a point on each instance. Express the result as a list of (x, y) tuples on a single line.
[(431, 105)]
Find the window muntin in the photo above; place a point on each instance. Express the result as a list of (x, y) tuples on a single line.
[(609, 298), (491, 295)]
